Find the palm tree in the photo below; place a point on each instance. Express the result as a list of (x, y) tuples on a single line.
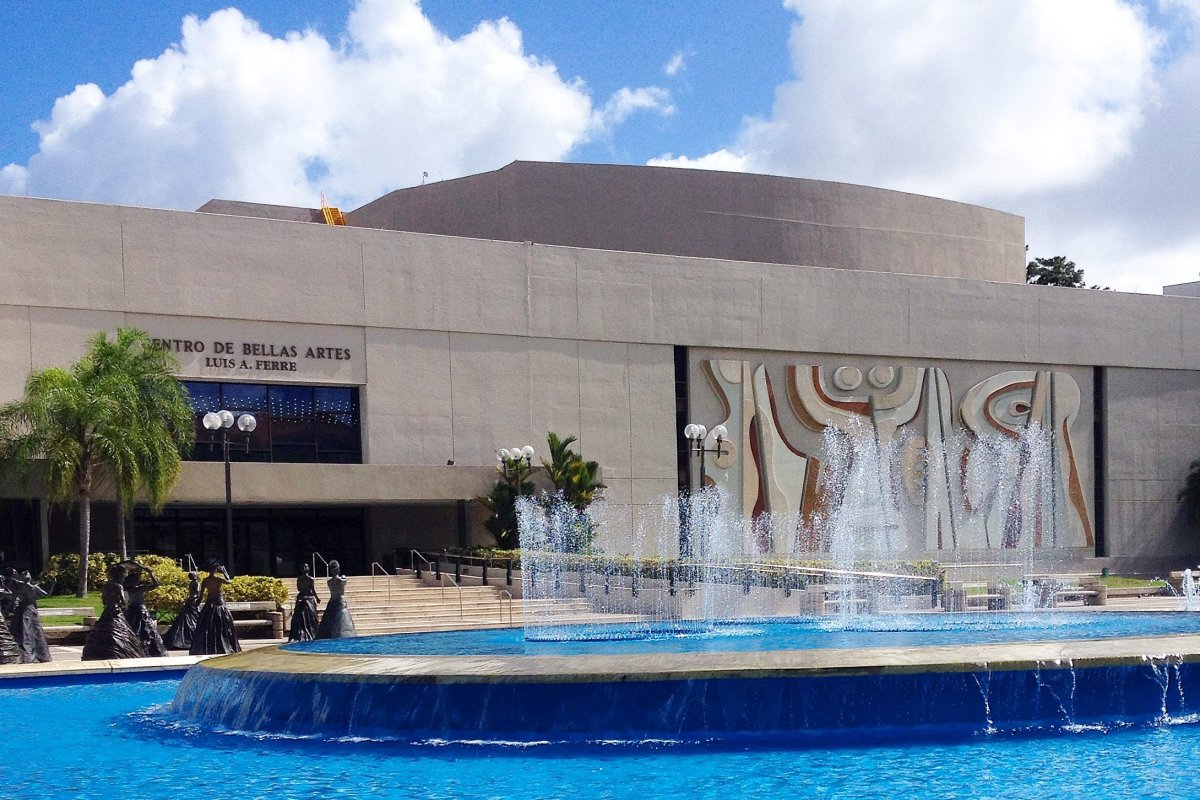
[(575, 479), (111, 417), (145, 376)]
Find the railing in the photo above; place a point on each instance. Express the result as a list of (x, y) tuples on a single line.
[(442, 580), (436, 560), (670, 578), (376, 569), (315, 556), (187, 563), (503, 594), (430, 566)]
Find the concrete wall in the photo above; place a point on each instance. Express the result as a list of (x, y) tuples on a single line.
[(1152, 430), (468, 345), (713, 215)]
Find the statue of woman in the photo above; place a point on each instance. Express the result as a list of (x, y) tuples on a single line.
[(138, 581), (27, 625), (214, 632), (8, 599), (336, 622), (304, 616), (179, 635), (10, 653), (111, 636)]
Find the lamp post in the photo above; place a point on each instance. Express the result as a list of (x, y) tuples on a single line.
[(515, 461), (696, 434), (222, 421)]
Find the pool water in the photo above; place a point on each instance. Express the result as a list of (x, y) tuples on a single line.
[(111, 739), (900, 630)]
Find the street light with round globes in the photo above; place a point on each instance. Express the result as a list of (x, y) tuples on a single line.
[(222, 421), (697, 435)]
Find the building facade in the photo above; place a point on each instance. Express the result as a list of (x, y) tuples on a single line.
[(388, 359)]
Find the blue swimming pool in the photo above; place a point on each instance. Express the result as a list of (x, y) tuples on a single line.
[(899, 630), (100, 740)]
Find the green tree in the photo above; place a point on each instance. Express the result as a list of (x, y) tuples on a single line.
[(106, 420), (574, 478), (1189, 495), (1056, 271), (502, 502), (145, 375)]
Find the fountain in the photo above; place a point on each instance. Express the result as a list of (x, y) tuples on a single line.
[(692, 623)]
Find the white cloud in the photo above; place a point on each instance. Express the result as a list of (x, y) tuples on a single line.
[(1078, 114), (675, 64), (959, 99), (722, 160), (626, 101), (13, 179), (231, 111)]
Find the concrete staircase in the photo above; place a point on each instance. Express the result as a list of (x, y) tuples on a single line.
[(404, 604)]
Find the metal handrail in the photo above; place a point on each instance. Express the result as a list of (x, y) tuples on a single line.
[(442, 579), (415, 554), (375, 565), (486, 561), (315, 556), (186, 561), (505, 593)]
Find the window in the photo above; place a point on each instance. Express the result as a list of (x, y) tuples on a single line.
[(296, 424)]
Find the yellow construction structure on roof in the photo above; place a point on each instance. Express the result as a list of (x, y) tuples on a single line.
[(333, 215)]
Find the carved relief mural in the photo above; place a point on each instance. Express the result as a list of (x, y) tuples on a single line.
[(997, 470)]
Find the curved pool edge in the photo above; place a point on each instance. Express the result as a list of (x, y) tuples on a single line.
[(1126, 651), (805, 694)]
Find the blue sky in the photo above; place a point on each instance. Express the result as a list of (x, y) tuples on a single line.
[(1077, 114)]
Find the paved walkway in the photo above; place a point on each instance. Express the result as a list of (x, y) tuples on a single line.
[(72, 652)]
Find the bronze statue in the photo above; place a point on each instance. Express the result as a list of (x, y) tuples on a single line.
[(27, 625), (214, 632), (111, 636), (336, 622), (138, 581), (179, 635), (8, 601), (304, 615), (10, 653)]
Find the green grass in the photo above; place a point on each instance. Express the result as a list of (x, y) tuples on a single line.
[(1123, 582), (92, 600)]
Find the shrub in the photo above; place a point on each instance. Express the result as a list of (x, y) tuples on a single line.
[(256, 587), (64, 568), (172, 584), (167, 598)]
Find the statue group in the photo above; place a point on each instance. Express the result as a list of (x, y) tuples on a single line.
[(335, 623), (128, 628), (22, 640)]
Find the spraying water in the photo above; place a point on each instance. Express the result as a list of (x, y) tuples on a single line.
[(694, 562)]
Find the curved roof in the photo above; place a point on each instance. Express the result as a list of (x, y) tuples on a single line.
[(708, 214)]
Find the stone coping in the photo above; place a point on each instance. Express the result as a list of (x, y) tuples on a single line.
[(706, 666), (111, 666)]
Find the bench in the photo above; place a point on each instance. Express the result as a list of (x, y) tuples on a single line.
[(978, 596), (252, 619), (1053, 589), (256, 618), (80, 611)]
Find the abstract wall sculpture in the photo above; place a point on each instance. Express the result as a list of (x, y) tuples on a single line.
[(1012, 404), (883, 447)]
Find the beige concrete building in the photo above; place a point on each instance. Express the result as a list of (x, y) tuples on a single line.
[(387, 359)]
